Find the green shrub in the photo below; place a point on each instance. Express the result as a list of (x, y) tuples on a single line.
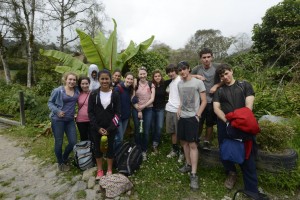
[(274, 136)]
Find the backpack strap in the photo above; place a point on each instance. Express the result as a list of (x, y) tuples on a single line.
[(121, 89)]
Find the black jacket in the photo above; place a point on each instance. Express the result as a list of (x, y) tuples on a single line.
[(100, 117)]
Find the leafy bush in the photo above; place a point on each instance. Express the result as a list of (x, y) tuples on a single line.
[(274, 136), (45, 85)]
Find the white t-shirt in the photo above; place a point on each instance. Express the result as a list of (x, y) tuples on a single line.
[(174, 100), (105, 98)]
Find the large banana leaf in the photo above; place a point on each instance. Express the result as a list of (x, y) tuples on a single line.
[(111, 48), (66, 60), (94, 53), (146, 44)]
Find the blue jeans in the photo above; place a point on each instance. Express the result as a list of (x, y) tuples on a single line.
[(120, 133), (142, 139), (58, 129), (157, 125), (248, 167)]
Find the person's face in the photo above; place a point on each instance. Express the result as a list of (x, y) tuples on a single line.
[(227, 77), (157, 77), (117, 77), (129, 80), (84, 85), (94, 74), (172, 74), (71, 81), (184, 72), (206, 59), (142, 74), (104, 80)]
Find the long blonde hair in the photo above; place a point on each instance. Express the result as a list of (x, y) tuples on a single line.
[(65, 77)]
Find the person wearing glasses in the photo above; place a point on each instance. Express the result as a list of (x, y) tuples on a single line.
[(192, 104), (142, 112), (207, 73)]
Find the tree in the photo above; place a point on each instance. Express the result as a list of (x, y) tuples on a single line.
[(161, 48), (68, 14), (212, 39), (100, 50), (278, 36), (241, 42)]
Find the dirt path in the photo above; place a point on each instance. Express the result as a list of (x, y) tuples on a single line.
[(24, 177)]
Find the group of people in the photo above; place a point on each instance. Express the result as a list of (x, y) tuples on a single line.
[(185, 102)]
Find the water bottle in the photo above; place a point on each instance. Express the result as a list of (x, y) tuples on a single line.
[(141, 126), (103, 144)]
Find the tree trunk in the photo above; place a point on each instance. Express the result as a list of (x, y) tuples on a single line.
[(62, 20), (4, 63)]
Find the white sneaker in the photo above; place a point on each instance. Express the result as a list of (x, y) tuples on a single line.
[(172, 154), (180, 158), (144, 155)]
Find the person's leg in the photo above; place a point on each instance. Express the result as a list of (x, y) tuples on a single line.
[(70, 130), (194, 156), (159, 122), (153, 127), (110, 154), (147, 118), (210, 122), (186, 150), (137, 135), (249, 174), (58, 133), (83, 128)]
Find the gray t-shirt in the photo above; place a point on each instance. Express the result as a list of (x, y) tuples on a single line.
[(189, 93), (209, 75)]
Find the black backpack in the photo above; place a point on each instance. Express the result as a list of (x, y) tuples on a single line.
[(128, 158), (83, 155)]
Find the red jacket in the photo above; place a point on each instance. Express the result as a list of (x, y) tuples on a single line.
[(243, 119)]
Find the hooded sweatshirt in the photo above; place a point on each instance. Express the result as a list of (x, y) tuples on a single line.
[(94, 82)]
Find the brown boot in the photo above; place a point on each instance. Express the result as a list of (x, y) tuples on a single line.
[(230, 180)]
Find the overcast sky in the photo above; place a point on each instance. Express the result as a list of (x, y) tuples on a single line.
[(173, 22)]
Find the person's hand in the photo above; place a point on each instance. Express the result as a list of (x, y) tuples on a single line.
[(197, 117), (140, 115), (103, 131), (213, 89), (200, 77), (61, 114), (178, 113)]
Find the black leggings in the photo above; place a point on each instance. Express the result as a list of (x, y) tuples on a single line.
[(110, 151), (84, 130)]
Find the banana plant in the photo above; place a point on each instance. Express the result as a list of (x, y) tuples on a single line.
[(100, 50)]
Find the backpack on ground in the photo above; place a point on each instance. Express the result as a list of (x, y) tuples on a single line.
[(128, 158), (83, 155)]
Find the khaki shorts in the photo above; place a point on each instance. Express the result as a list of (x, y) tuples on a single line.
[(171, 122)]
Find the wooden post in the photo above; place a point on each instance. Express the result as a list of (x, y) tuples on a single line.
[(22, 112)]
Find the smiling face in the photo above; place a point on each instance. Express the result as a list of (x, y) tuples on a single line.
[(116, 77), (184, 72), (105, 81), (84, 84), (128, 80), (71, 81), (142, 74), (157, 77)]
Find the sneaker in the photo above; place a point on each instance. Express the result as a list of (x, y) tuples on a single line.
[(186, 168), (206, 145), (230, 180), (155, 150), (144, 155), (181, 157), (194, 182), (99, 175), (63, 167), (172, 154), (109, 172)]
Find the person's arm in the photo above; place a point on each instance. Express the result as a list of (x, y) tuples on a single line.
[(217, 109), (202, 105), (249, 102), (198, 76), (215, 87)]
